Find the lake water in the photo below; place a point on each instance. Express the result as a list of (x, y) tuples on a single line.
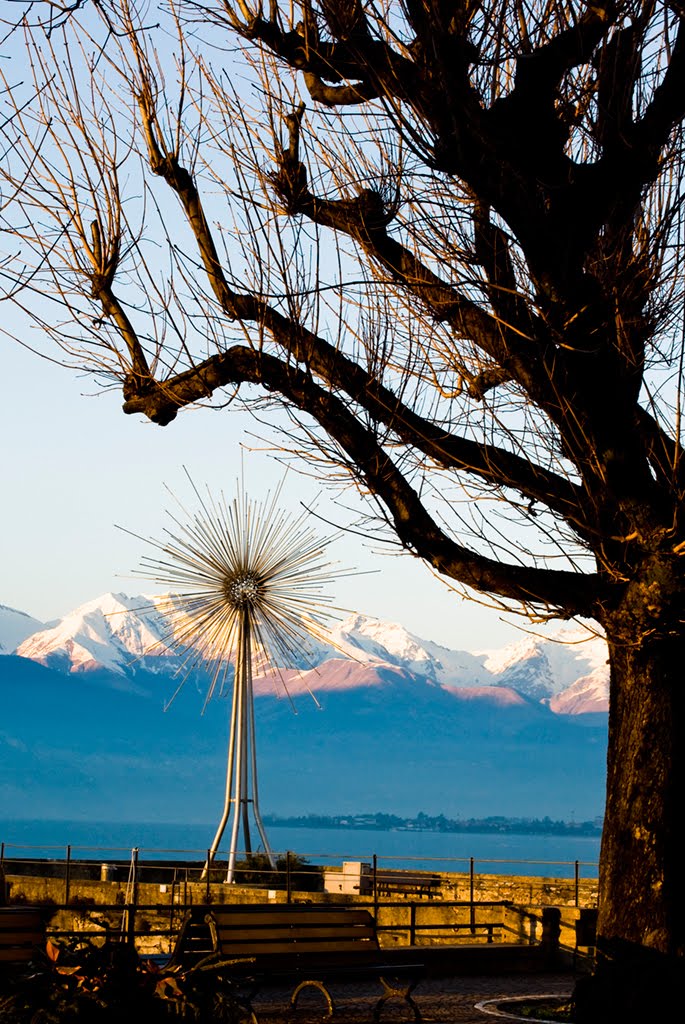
[(503, 853)]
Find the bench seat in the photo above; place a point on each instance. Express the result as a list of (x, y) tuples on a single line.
[(304, 945)]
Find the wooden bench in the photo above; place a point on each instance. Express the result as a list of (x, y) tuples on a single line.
[(391, 883), (307, 944), (22, 932)]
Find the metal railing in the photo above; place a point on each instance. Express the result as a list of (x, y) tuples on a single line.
[(131, 923), (178, 873)]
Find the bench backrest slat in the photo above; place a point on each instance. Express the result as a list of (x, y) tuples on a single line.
[(253, 931), (17, 955), (256, 949), (22, 920), (22, 938), (268, 917), (360, 933), (21, 931)]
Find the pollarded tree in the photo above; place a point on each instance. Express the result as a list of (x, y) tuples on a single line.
[(446, 238)]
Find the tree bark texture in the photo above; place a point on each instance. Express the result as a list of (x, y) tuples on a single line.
[(642, 881)]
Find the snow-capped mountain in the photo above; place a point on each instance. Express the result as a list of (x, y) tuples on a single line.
[(15, 626), (125, 635), (368, 639), (588, 694), (398, 722), (113, 632), (548, 669)]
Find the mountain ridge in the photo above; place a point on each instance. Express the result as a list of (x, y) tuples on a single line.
[(80, 734), (126, 635)]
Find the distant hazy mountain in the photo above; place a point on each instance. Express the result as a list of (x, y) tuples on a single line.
[(399, 724), (15, 626), (127, 635)]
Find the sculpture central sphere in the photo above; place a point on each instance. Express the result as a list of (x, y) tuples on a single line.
[(243, 589)]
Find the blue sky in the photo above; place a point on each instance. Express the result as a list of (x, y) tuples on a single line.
[(73, 466)]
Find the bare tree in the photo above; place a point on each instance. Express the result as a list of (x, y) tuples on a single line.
[(445, 239)]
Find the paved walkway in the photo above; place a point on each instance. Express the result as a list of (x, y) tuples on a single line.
[(441, 1001)]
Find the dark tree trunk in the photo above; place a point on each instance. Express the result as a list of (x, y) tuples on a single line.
[(643, 849), (641, 925)]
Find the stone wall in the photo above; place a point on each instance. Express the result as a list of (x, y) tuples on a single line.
[(510, 905), (550, 892), (520, 890)]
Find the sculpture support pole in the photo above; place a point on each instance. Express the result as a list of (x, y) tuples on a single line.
[(253, 754), (241, 739), (241, 765), (230, 759), (243, 807)]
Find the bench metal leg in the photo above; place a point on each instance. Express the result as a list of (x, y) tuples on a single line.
[(228, 1008), (314, 984), (397, 989)]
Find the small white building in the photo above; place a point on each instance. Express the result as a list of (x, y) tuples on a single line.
[(354, 877)]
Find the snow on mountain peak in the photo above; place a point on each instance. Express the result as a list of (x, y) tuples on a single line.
[(119, 633), (544, 667), (391, 643), (384, 641), (108, 632), (587, 694), (15, 626)]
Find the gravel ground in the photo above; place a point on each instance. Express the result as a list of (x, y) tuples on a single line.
[(441, 1001)]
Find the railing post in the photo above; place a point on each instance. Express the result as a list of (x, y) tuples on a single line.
[(131, 908), (67, 875), (472, 907), (208, 875), (577, 878), (412, 925), (135, 875), (131, 925), (551, 930), (2, 854), (375, 886), (288, 879)]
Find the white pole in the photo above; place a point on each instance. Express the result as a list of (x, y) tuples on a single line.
[(240, 747), (253, 750), (229, 775)]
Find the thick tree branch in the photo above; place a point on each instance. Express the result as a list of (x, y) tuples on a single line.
[(104, 269), (339, 95), (569, 593), (166, 164), (539, 72), (365, 219), (495, 465), (667, 109), (354, 56), (666, 456), (493, 254), (489, 462)]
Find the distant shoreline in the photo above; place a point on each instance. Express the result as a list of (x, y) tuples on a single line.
[(438, 823)]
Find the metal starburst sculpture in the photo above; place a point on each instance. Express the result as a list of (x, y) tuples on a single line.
[(245, 578)]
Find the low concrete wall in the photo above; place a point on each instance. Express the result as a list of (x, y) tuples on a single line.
[(513, 905), (486, 888), (550, 892)]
